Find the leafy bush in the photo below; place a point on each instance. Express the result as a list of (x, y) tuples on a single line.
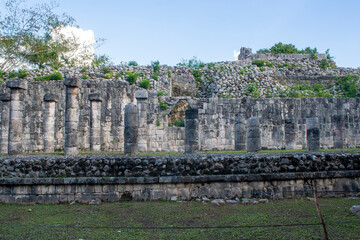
[(157, 123), (269, 64), (22, 73), (163, 106), (117, 75), (52, 76), (284, 65), (106, 70), (177, 123), (131, 77), (84, 76), (155, 76), (169, 72), (191, 63), (2, 75), (349, 86), (145, 83), (211, 65), (132, 63), (197, 76), (162, 93), (324, 63), (262, 69), (156, 66), (101, 60), (253, 90), (258, 62), (12, 74), (109, 75), (289, 48), (84, 69)]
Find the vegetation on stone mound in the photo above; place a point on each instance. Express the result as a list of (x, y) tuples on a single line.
[(145, 83), (287, 49), (131, 77), (52, 76), (177, 123)]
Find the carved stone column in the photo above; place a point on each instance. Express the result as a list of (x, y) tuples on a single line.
[(95, 121), (71, 116), (192, 130), (253, 138), (49, 122), (5, 120), (131, 129), (17, 88), (313, 134), (142, 103)]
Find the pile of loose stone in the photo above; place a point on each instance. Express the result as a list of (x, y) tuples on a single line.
[(221, 79)]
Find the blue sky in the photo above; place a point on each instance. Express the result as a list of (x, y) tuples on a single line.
[(171, 30)]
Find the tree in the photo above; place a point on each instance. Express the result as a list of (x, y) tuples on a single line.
[(36, 36)]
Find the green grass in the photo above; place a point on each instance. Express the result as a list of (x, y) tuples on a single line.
[(112, 220)]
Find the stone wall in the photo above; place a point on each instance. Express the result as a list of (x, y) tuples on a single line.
[(107, 179), (217, 118), (115, 93)]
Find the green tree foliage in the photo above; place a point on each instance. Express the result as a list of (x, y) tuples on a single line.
[(192, 63), (25, 34), (349, 86), (288, 48)]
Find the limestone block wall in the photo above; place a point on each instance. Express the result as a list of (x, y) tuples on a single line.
[(218, 116), (115, 94), (30, 180)]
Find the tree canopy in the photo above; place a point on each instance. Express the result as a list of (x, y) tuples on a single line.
[(34, 36)]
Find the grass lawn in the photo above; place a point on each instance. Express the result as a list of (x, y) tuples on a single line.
[(115, 220)]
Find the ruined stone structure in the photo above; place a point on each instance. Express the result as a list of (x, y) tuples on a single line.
[(110, 115)]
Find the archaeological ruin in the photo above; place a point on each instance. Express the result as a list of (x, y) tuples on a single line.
[(237, 105)]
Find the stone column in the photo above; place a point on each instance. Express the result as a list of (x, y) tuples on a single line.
[(49, 122), (5, 115), (142, 103), (313, 134), (339, 127), (131, 129), (253, 138), (240, 133), (71, 116), (17, 87), (192, 130), (290, 134), (95, 121)]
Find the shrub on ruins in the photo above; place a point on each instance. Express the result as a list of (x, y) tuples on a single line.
[(156, 66), (259, 62), (349, 86), (52, 76), (191, 63), (288, 49), (145, 83), (131, 77), (132, 63), (253, 90), (177, 123), (163, 106)]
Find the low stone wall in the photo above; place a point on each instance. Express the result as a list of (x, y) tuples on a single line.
[(177, 165), (96, 190), (86, 179)]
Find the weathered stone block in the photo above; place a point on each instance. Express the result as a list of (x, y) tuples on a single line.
[(16, 83)]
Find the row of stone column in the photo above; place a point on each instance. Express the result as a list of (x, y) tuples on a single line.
[(248, 136), (13, 113)]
